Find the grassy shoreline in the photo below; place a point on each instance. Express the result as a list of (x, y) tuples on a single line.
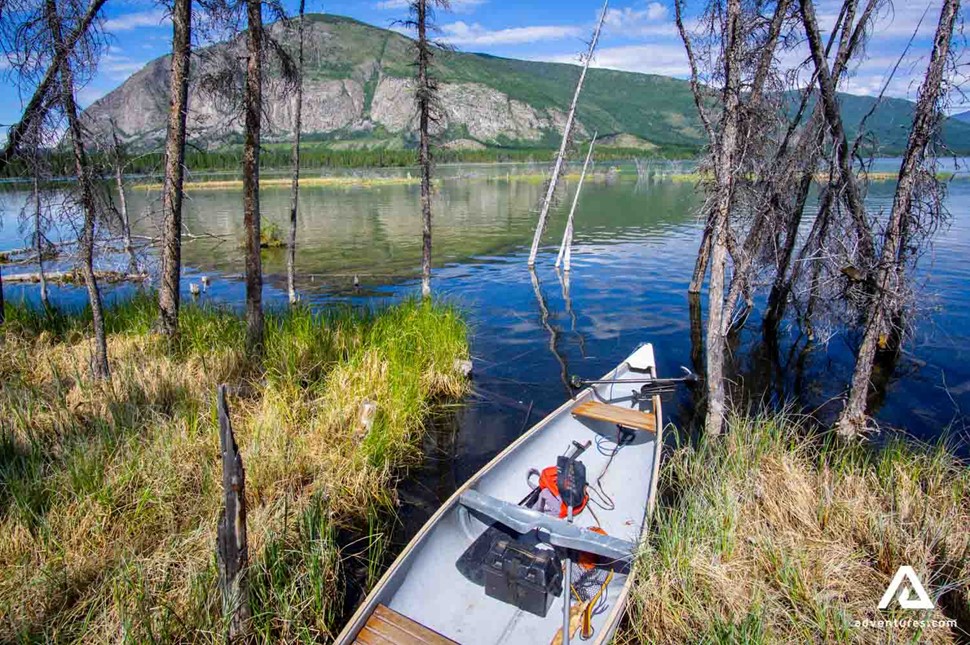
[(365, 182), (773, 533), (110, 494)]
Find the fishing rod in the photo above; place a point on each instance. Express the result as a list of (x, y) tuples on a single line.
[(650, 385)]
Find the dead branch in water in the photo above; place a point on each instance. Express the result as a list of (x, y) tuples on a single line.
[(566, 136), (74, 277)]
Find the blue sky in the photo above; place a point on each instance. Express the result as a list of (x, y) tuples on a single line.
[(639, 36)]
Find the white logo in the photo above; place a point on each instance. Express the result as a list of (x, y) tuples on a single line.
[(906, 600)]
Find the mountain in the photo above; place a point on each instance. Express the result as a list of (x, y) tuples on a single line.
[(358, 94), (962, 116)]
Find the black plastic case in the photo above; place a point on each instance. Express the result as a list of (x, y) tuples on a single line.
[(525, 576)]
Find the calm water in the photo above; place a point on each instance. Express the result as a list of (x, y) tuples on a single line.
[(635, 247)]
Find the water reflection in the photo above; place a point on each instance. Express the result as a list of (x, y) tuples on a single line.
[(553, 332), (633, 252)]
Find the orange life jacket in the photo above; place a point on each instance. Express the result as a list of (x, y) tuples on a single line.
[(547, 480)]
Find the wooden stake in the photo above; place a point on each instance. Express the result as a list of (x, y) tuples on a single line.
[(232, 549), (565, 249), (567, 130)]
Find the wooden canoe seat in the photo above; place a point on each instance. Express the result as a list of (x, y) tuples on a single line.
[(626, 417), (387, 627)]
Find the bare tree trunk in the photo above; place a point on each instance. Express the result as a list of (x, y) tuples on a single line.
[(123, 204), (37, 107), (565, 249), (232, 542), (724, 177), (703, 257), (566, 133), (99, 363), (295, 188), (39, 245), (808, 149), (425, 96), (830, 108), (253, 108), (168, 293), (890, 274)]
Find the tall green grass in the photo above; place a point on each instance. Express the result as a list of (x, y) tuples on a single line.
[(109, 494), (779, 533)]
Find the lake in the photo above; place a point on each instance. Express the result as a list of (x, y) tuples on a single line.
[(635, 245)]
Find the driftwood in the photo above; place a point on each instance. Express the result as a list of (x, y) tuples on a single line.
[(75, 277), (232, 548)]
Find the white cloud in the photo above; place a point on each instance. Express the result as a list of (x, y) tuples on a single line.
[(129, 21), (650, 19), (119, 67), (461, 33), (457, 6), (667, 59)]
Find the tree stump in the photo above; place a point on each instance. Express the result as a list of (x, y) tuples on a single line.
[(232, 549)]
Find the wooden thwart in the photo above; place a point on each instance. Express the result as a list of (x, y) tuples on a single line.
[(626, 417), (387, 627)]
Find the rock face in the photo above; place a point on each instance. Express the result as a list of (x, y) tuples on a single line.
[(372, 96), (358, 92)]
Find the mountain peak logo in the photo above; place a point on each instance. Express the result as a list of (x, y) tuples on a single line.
[(906, 599)]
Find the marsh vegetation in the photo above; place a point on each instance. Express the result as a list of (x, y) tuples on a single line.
[(111, 490)]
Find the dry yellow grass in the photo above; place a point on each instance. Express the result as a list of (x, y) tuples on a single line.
[(109, 495), (770, 534)]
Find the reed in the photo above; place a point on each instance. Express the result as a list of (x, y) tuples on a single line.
[(776, 533), (109, 495)]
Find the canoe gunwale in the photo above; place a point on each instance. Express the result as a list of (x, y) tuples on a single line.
[(359, 618)]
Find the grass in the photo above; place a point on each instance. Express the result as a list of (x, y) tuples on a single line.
[(773, 533), (281, 182), (109, 495)]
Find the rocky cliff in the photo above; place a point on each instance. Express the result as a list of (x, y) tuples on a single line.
[(358, 92), (348, 95)]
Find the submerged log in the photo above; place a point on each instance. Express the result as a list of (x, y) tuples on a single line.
[(75, 277), (232, 548)]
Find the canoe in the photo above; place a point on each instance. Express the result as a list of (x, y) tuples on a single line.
[(427, 596)]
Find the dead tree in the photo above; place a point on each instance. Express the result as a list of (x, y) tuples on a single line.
[(119, 158), (724, 174), (168, 292), (842, 152), (725, 58), (565, 249), (557, 165), (39, 244), (47, 89), (295, 187), (221, 80), (232, 544), (800, 158), (427, 103), (253, 108), (698, 91), (85, 186), (883, 319)]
